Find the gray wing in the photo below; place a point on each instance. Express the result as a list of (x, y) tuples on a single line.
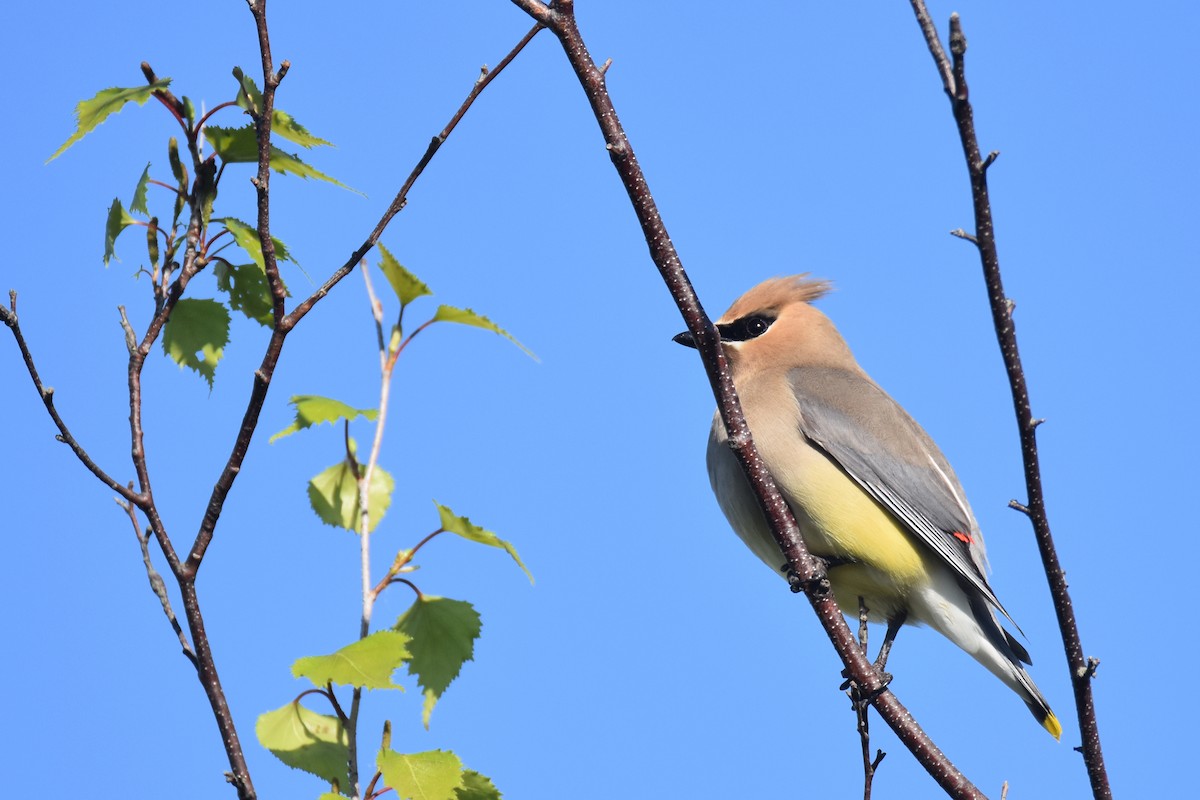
[(890, 456)]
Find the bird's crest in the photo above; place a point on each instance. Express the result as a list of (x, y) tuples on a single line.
[(775, 293)]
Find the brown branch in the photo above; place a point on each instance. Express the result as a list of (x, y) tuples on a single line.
[(808, 574), (9, 317), (870, 765), (157, 585), (262, 376), (401, 199), (955, 84)]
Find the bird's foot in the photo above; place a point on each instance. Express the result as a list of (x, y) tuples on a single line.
[(820, 585), (858, 698)]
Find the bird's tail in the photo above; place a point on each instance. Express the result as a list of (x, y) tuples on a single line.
[(1003, 656), (962, 614)]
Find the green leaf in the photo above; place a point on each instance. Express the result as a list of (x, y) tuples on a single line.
[(233, 145), (452, 523), (249, 98), (90, 113), (283, 124), (408, 287), (240, 146), (287, 163), (306, 740), (313, 410), (432, 775), (196, 334), (138, 203), (332, 796), (367, 663), (477, 787), (246, 237), (443, 634), (465, 316), (334, 496), (248, 291), (118, 220)]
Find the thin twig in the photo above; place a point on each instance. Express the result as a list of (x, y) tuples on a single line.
[(9, 317), (807, 573), (157, 585), (955, 83), (263, 375), (376, 313), (401, 198)]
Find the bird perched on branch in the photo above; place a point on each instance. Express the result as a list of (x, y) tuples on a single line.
[(873, 495)]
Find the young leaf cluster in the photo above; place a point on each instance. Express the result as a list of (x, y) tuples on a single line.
[(433, 638), (197, 330)]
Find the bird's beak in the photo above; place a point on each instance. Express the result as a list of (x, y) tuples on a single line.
[(686, 339)]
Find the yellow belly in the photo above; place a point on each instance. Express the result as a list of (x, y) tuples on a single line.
[(836, 517)]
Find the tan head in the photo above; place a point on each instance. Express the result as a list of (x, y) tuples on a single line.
[(774, 326)]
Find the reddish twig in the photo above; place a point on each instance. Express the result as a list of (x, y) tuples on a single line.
[(808, 575), (955, 84)]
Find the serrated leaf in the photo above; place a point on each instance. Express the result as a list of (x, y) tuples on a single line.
[(248, 291), (303, 739), (313, 410), (118, 220), (452, 523), (367, 663), (246, 237), (288, 128), (90, 113), (408, 287), (443, 634), (334, 496), (138, 203), (196, 334), (240, 146), (432, 775), (465, 316), (332, 796), (477, 787), (233, 145), (288, 163), (249, 98)]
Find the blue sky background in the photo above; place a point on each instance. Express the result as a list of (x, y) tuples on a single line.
[(655, 657)]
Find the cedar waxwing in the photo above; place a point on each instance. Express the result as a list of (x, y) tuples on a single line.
[(871, 492)]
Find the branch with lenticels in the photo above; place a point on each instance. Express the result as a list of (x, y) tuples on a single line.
[(808, 573)]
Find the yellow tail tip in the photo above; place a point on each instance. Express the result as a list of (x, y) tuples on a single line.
[(1052, 724)]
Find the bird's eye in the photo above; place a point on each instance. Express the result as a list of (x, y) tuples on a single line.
[(750, 327)]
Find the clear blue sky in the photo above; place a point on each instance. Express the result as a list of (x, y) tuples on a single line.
[(655, 657)]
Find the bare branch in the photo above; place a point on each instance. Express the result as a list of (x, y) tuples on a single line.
[(1002, 308), (401, 198), (157, 585), (263, 375), (9, 317), (807, 573)]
